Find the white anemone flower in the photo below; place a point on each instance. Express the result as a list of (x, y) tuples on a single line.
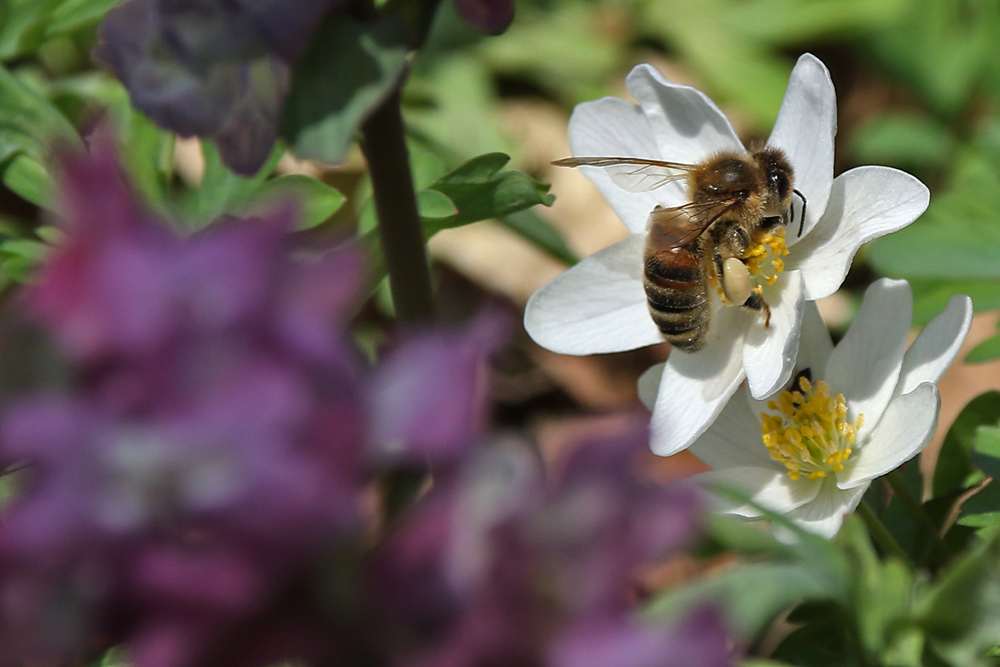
[(870, 405), (599, 305)]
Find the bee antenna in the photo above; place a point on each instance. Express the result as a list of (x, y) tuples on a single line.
[(802, 220)]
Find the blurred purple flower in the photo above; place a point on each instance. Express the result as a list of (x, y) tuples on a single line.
[(488, 16), (427, 404), (211, 68), (493, 569)]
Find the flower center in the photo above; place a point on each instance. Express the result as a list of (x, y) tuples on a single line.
[(810, 434)]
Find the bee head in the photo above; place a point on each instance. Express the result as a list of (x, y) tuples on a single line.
[(778, 175)]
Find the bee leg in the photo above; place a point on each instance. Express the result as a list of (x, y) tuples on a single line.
[(773, 221), (756, 302)]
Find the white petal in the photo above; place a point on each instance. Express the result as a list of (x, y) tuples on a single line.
[(815, 345), (734, 438), (865, 203), (804, 130), (904, 430), (687, 125), (769, 353), (595, 306), (865, 365), (610, 127), (695, 387), (936, 347), (825, 514), (769, 488), (649, 384)]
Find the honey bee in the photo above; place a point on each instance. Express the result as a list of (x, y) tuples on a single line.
[(735, 200)]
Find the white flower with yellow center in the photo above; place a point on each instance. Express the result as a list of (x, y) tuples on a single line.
[(600, 305), (812, 450)]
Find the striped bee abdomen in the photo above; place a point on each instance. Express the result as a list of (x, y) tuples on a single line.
[(677, 293)]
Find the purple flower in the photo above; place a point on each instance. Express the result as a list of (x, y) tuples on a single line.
[(210, 68), (489, 16), (494, 569), (426, 397)]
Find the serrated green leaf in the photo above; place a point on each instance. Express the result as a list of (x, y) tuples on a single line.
[(481, 190), (434, 204), (955, 469), (317, 200), (988, 350), (350, 69)]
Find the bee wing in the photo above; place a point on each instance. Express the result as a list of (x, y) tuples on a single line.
[(679, 225), (633, 174)]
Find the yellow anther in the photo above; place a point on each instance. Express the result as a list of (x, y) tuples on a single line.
[(809, 434)]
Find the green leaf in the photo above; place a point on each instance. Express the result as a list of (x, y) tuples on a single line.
[(19, 257), (955, 469), (480, 190), (961, 615), (982, 510), (988, 350), (824, 642), (986, 450), (317, 200), (543, 235), (931, 296), (350, 69), (753, 595), (73, 14), (221, 190), (28, 122), (902, 139), (30, 180), (957, 238), (24, 25), (434, 204)]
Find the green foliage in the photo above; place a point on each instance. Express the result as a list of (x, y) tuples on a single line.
[(955, 469), (987, 350), (350, 69)]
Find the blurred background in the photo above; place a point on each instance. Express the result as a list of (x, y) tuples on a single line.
[(918, 85)]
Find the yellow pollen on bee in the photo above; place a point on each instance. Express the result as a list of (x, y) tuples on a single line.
[(763, 260), (767, 253), (809, 433)]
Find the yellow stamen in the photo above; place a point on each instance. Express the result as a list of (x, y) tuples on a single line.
[(763, 260), (809, 434)]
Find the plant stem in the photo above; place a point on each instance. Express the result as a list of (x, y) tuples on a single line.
[(881, 535), (384, 144), (939, 550)]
